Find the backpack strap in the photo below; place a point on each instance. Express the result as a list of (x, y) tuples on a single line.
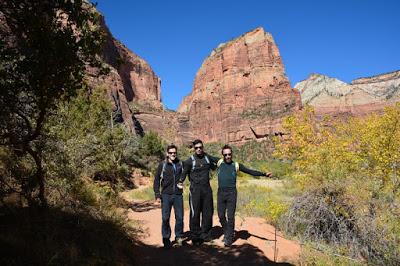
[(193, 162), (207, 160), (237, 167), (163, 170), (220, 161)]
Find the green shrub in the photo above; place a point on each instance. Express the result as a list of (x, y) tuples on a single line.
[(142, 193), (85, 142), (266, 202), (152, 148), (325, 257)]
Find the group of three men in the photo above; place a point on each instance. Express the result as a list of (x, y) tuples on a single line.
[(170, 176)]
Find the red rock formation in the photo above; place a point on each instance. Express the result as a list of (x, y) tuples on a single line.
[(333, 97), (164, 122), (240, 92), (133, 87), (140, 82)]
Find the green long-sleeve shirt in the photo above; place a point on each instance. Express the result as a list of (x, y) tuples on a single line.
[(227, 174)]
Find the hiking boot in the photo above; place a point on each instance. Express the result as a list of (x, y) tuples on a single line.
[(166, 242)]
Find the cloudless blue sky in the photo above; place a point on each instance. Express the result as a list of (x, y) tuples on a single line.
[(345, 39)]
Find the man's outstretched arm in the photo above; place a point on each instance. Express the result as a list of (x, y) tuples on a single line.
[(246, 170)]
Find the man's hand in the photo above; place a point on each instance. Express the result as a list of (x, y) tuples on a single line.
[(180, 185), (268, 174), (157, 201)]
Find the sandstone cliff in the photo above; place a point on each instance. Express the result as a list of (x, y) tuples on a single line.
[(135, 91), (333, 97), (240, 92)]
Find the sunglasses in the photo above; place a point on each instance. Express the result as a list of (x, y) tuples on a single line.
[(198, 147), (227, 154), (171, 152)]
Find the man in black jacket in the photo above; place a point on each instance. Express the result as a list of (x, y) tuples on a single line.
[(198, 168), (168, 174)]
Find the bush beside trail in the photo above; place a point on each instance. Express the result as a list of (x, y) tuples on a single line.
[(347, 180)]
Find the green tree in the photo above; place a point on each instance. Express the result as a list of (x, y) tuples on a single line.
[(45, 47), (82, 142)]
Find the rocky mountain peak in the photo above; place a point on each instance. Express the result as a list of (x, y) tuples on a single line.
[(240, 92), (362, 96)]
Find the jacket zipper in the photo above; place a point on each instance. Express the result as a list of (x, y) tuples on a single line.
[(173, 171)]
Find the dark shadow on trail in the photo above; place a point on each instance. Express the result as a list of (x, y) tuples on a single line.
[(144, 206), (216, 232), (203, 255), (58, 237), (52, 236), (244, 234)]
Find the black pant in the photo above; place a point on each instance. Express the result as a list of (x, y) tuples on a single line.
[(167, 202), (201, 203), (226, 203)]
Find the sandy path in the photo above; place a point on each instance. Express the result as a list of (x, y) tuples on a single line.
[(254, 244)]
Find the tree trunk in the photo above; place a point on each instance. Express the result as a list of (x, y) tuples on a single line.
[(39, 175)]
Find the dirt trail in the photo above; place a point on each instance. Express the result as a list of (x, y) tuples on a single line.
[(254, 242)]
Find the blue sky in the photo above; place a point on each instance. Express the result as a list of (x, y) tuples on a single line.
[(341, 39)]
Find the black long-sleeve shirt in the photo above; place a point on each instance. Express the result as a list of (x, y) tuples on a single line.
[(172, 172), (200, 175)]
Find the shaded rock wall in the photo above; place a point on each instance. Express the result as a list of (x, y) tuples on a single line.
[(135, 91)]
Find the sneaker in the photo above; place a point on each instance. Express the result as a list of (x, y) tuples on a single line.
[(210, 243), (179, 242), (166, 242), (227, 244), (208, 239)]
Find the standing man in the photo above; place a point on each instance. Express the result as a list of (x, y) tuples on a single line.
[(227, 193), (168, 173), (198, 168)]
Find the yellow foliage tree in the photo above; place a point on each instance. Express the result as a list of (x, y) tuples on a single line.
[(354, 163)]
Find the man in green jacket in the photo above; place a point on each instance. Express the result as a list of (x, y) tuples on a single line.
[(227, 193)]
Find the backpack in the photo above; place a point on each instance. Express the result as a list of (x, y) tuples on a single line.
[(220, 161)]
